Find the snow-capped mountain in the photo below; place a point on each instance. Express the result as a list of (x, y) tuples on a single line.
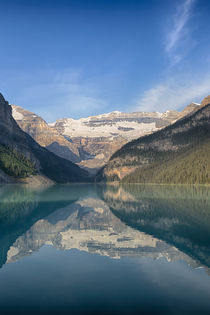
[(126, 125), (98, 137), (91, 141)]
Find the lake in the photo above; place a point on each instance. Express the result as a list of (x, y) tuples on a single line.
[(96, 249)]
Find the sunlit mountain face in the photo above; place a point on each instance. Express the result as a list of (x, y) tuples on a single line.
[(104, 236)]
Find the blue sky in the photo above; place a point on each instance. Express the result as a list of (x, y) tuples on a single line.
[(78, 58)]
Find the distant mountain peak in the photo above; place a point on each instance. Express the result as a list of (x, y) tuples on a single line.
[(190, 109), (178, 154), (2, 99), (206, 101), (44, 134)]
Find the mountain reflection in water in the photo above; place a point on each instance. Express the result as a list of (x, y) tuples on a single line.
[(138, 221), (141, 223), (179, 215)]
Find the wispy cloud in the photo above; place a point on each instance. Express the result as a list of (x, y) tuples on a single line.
[(183, 86), (57, 100), (174, 94), (55, 94), (179, 30)]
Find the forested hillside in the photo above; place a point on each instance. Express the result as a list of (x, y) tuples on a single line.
[(14, 164)]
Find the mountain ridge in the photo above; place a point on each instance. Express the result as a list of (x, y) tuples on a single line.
[(178, 153), (24, 157), (42, 133), (91, 141)]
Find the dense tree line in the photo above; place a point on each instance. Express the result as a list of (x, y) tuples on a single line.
[(189, 167), (15, 164)]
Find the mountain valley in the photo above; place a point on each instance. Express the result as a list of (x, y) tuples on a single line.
[(90, 142), (170, 147)]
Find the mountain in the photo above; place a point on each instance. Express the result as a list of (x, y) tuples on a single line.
[(189, 109), (178, 154), (46, 136), (22, 157), (90, 142), (205, 101), (98, 137)]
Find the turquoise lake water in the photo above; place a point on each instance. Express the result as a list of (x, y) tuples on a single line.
[(94, 249)]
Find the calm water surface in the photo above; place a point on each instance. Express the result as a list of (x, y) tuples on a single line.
[(92, 249)]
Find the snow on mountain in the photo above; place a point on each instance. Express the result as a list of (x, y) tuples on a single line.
[(126, 125), (94, 139), (16, 114), (83, 128)]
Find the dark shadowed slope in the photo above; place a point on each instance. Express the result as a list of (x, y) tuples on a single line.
[(21, 156)]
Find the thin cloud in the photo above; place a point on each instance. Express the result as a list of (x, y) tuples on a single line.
[(173, 94), (179, 30), (57, 100), (56, 94)]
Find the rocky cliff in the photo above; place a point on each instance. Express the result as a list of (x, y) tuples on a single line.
[(46, 136)]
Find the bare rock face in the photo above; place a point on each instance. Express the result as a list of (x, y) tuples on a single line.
[(46, 136), (95, 152)]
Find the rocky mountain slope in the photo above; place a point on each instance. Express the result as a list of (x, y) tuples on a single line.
[(90, 142), (22, 157), (98, 137), (46, 136), (179, 153)]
